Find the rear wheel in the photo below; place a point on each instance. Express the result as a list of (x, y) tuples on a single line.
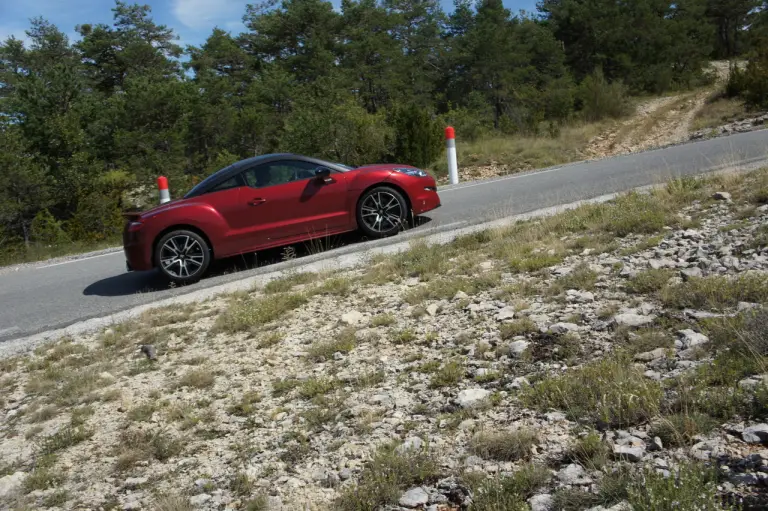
[(381, 212), (182, 256)]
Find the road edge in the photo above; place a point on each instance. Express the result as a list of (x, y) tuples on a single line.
[(346, 261)]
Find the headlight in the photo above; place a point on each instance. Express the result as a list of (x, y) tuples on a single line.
[(411, 172)]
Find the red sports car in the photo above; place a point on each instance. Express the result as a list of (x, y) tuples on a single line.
[(270, 201)]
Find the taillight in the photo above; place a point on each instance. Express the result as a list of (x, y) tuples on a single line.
[(134, 226)]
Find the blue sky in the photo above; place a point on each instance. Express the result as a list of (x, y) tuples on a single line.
[(192, 20)]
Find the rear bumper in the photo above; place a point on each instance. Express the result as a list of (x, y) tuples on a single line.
[(138, 256)]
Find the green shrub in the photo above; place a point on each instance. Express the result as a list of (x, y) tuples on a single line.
[(418, 138), (600, 99)]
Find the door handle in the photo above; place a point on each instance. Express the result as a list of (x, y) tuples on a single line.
[(256, 202)]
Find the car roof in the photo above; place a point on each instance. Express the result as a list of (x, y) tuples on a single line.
[(227, 172)]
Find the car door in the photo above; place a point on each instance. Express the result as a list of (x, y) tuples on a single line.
[(286, 200)]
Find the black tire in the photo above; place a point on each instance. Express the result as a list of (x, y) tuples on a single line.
[(192, 264), (392, 221)]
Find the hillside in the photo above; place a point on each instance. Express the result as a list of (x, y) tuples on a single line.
[(570, 362)]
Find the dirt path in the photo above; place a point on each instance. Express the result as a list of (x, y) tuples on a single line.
[(657, 122)]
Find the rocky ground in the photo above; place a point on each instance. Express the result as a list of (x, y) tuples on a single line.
[(612, 357), (749, 123)]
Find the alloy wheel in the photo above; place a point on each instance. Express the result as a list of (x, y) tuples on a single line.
[(182, 256), (382, 211)]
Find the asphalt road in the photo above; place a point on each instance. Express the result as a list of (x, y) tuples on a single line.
[(40, 297)]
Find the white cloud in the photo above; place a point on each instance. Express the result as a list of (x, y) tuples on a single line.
[(205, 14)]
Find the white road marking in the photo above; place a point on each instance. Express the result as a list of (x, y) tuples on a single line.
[(79, 260), (492, 181)]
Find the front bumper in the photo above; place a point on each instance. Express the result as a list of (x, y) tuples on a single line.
[(425, 200)]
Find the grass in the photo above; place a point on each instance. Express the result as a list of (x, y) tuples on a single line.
[(403, 337), (385, 477), (64, 438), (716, 292), (648, 281), (581, 278), (287, 284), (284, 386), (43, 476), (197, 379), (383, 320), (451, 373), (606, 393), (314, 387), (694, 486), (518, 327), (516, 154), (142, 412), (509, 493), (718, 110), (269, 340), (679, 429), (504, 445), (249, 313), (18, 254), (136, 446), (590, 451), (344, 342), (245, 406)]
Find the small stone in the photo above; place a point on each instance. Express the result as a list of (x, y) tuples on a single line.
[(132, 503), (563, 328), (741, 479), (432, 309), (555, 416), (755, 434), (543, 502), (461, 295), (469, 398), (11, 483), (633, 454), (744, 306), (573, 474), (690, 273), (573, 295), (633, 320), (691, 338), (653, 375), (199, 500), (649, 356), (352, 318), (150, 351), (134, 482), (412, 443), (414, 498), (345, 474), (724, 196), (517, 348), (656, 444), (505, 314)]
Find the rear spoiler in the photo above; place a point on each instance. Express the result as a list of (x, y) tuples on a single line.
[(131, 215)]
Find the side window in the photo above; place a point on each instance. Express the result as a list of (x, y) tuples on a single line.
[(278, 173), (233, 182)]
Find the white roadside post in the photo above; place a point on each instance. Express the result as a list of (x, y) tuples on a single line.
[(450, 144), (162, 184)]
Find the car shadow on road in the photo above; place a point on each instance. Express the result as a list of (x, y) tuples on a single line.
[(130, 283)]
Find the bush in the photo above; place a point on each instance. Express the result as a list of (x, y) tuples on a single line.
[(47, 230), (600, 99), (418, 138)]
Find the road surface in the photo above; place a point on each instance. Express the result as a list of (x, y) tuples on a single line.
[(36, 298)]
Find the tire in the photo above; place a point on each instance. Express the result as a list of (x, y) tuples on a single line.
[(381, 212), (194, 263)]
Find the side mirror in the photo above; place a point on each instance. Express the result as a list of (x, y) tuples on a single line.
[(322, 172)]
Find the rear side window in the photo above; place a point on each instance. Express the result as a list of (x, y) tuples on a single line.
[(232, 182)]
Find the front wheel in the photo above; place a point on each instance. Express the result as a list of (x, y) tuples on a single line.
[(182, 256), (381, 212)]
